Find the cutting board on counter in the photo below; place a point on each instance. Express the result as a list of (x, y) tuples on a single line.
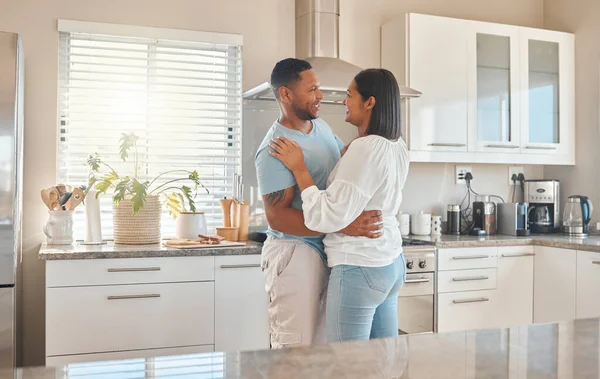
[(203, 245)]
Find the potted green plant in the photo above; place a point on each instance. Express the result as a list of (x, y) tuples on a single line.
[(136, 203)]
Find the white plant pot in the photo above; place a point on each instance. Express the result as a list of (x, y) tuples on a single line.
[(59, 228), (188, 225)]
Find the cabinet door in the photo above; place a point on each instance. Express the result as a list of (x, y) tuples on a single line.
[(515, 285), (241, 304), (438, 68), (554, 285), (548, 83), (588, 283), (468, 310), (494, 88)]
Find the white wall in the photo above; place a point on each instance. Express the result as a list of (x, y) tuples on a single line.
[(268, 29), (581, 17)]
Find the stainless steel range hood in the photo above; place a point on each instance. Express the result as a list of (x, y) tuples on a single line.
[(317, 41)]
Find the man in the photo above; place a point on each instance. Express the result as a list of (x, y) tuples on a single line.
[(293, 257)]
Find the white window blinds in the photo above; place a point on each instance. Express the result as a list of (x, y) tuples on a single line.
[(181, 98)]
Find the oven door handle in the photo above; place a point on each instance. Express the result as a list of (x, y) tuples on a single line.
[(417, 280)]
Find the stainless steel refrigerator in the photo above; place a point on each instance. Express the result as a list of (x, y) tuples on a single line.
[(11, 153)]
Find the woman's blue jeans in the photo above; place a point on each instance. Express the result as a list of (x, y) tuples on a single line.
[(362, 302)]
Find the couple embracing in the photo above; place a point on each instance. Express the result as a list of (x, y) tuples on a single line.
[(333, 259)]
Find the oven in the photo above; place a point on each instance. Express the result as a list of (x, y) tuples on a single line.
[(416, 299)]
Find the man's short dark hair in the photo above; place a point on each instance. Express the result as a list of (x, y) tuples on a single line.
[(286, 72)]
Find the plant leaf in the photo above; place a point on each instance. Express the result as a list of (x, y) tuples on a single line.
[(187, 192), (94, 162), (122, 189), (173, 204), (127, 142), (139, 195), (106, 182), (91, 181)]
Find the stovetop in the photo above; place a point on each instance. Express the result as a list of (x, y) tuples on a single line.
[(415, 242)]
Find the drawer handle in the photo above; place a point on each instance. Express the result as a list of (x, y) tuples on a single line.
[(133, 269), (448, 144), (470, 257), (470, 278), (126, 297), (503, 146), (541, 147), (252, 265), (596, 262), (477, 300), (517, 255), (419, 280)]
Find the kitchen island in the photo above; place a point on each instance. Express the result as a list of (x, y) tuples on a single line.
[(560, 350)]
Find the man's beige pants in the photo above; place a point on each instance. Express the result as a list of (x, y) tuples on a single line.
[(296, 282)]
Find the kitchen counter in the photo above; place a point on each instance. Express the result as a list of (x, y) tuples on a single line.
[(591, 243), (110, 250), (563, 351)]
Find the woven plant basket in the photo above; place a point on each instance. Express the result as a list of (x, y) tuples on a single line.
[(141, 229)]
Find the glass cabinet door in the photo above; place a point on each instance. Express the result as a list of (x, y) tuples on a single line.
[(548, 118), (493, 88), (494, 85), (543, 90)]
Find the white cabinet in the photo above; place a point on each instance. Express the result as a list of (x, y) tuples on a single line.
[(555, 280), (241, 304), (493, 96), (468, 310), (96, 319), (485, 287), (438, 68), (491, 93), (588, 284), (548, 97), (105, 308), (515, 285), (467, 288)]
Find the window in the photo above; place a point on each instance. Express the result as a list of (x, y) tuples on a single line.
[(178, 91)]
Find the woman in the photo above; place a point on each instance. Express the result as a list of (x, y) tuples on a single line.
[(366, 274)]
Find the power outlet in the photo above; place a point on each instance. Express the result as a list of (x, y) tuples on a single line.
[(461, 172), (515, 171)]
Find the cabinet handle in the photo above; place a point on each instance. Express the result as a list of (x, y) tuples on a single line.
[(257, 265), (419, 280), (133, 269), (541, 147), (470, 257), (503, 146), (517, 255), (448, 144), (126, 297), (596, 262), (470, 278), (477, 300)]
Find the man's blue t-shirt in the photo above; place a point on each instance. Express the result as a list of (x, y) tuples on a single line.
[(321, 148)]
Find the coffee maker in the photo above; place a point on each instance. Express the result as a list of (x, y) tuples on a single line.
[(543, 197)]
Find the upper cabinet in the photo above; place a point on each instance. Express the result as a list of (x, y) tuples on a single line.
[(493, 87), (547, 77), (442, 114), (491, 93)]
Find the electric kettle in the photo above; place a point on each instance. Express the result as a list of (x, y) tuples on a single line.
[(577, 216)]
